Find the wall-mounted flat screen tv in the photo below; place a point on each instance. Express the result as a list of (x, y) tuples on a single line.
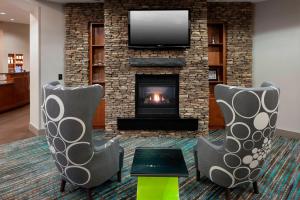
[(159, 29)]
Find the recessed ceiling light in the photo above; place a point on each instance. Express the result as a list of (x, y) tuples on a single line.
[(12, 19), (2, 13)]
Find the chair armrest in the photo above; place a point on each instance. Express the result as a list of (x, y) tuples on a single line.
[(99, 144), (107, 157), (207, 154), (204, 144), (105, 145), (109, 151), (101, 141)]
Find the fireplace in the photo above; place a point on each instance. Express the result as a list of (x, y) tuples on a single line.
[(157, 96), (157, 105)]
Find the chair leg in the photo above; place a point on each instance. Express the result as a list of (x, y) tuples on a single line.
[(119, 176), (198, 175), (227, 194), (121, 158), (89, 194), (255, 187), (62, 185), (196, 166)]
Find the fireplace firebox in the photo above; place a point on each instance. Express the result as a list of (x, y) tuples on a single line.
[(157, 96)]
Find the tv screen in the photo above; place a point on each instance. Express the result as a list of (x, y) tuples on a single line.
[(159, 28)]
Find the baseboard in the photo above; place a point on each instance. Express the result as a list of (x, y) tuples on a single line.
[(36, 131), (288, 134)]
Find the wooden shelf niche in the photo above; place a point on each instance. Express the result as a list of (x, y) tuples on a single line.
[(217, 67), (15, 62), (97, 68)]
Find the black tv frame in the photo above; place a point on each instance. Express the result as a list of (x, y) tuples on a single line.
[(151, 46)]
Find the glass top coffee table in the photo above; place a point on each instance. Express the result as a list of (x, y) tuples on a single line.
[(158, 170)]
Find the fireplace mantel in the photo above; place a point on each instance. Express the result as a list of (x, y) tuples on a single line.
[(157, 62)]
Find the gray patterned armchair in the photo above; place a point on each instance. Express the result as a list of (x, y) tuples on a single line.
[(67, 115), (250, 116)]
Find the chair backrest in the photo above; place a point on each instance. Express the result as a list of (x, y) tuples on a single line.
[(250, 116), (67, 115)]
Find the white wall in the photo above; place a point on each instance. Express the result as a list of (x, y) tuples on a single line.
[(276, 54), (15, 39), (47, 29), (52, 41), (35, 72)]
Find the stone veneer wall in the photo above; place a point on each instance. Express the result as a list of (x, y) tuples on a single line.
[(77, 19), (120, 77), (238, 18)]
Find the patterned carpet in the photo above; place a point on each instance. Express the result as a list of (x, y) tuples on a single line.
[(28, 172)]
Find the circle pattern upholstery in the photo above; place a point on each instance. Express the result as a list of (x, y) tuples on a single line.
[(250, 117), (61, 144)]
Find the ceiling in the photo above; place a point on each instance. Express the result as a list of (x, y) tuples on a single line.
[(13, 12)]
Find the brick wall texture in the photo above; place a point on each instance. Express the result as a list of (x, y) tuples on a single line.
[(120, 77)]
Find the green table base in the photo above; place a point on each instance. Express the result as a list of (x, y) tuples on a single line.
[(157, 188)]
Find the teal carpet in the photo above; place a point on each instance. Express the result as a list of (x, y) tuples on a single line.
[(28, 172)]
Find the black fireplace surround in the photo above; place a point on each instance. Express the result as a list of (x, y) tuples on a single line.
[(157, 105), (157, 96)]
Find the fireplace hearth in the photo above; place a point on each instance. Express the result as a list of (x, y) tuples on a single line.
[(157, 96), (157, 105)]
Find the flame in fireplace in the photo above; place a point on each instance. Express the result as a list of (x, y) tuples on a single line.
[(156, 98)]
